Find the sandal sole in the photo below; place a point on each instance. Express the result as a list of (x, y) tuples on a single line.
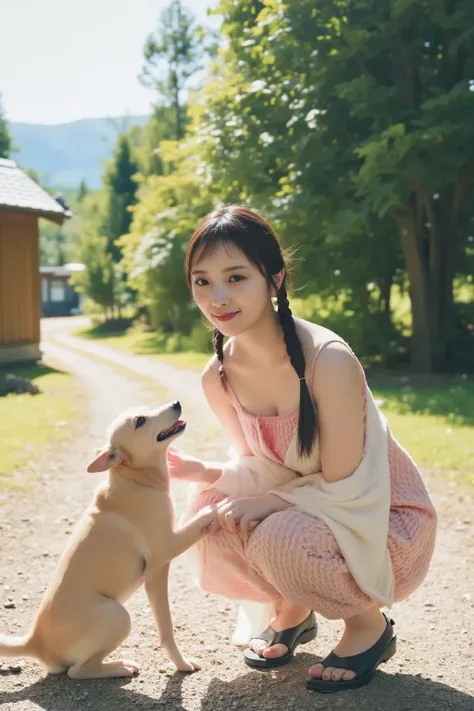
[(262, 663), (331, 687)]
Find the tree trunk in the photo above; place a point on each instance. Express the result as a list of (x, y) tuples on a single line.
[(429, 250)]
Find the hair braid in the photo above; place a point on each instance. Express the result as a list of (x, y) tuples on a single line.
[(307, 420), (218, 342)]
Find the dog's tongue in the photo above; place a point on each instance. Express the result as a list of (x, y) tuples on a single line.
[(178, 423)]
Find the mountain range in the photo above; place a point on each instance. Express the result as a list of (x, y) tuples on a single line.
[(66, 153)]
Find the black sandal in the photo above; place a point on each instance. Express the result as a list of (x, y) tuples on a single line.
[(301, 634), (363, 665)]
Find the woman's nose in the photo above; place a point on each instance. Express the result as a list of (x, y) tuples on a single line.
[(220, 296)]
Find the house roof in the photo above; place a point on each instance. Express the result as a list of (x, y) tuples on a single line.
[(20, 193), (64, 271)]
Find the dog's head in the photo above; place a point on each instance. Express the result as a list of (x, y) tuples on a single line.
[(140, 437)]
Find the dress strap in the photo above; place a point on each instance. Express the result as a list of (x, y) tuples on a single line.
[(319, 349)]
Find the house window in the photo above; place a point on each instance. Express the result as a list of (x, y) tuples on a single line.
[(44, 291), (58, 292)]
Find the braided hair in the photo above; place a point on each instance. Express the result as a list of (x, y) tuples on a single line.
[(246, 229), (218, 343), (307, 422)]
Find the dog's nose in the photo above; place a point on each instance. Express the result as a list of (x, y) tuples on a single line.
[(176, 405)]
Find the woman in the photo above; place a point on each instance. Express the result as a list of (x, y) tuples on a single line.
[(360, 533)]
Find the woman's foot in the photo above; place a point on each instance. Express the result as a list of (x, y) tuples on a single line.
[(361, 632), (288, 615)]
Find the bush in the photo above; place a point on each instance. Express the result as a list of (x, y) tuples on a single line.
[(372, 336)]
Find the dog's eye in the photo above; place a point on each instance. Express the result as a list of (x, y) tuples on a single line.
[(140, 421)]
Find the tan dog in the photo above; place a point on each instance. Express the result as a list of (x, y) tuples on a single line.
[(125, 538)]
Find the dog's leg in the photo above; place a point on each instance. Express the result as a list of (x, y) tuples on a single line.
[(156, 586), (109, 625), (190, 533)]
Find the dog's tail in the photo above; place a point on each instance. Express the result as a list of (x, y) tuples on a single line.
[(15, 646)]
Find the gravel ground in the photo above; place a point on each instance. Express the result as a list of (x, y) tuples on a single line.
[(434, 666)]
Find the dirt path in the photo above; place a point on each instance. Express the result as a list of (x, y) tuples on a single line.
[(434, 667)]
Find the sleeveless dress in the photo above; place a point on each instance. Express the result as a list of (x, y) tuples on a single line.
[(295, 556)]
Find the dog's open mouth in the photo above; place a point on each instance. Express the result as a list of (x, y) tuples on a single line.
[(178, 426)]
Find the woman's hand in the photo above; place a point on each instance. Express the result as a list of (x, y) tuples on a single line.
[(184, 467), (245, 514)]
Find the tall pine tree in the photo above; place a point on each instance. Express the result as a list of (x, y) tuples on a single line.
[(121, 194), (173, 54)]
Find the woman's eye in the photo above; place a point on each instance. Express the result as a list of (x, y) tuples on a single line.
[(236, 277), (201, 282), (140, 421)]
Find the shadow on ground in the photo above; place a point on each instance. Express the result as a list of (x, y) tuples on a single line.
[(450, 398), (280, 689)]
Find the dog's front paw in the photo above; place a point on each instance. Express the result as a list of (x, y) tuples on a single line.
[(208, 519), (188, 665)]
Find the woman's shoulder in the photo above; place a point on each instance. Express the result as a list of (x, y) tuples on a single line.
[(210, 371), (334, 358)]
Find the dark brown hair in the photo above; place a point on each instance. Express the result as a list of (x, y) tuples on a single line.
[(245, 229)]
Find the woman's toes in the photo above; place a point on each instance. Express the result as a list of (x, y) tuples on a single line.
[(348, 675), (277, 650), (327, 673), (337, 674), (316, 671), (255, 645)]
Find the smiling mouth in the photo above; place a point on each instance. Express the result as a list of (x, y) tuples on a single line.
[(179, 426), (226, 317)]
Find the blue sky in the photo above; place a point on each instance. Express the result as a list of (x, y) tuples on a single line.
[(61, 60)]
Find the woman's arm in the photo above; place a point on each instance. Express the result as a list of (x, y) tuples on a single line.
[(337, 391)]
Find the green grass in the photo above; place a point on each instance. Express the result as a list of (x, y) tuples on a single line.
[(31, 422), (433, 418), (140, 342), (434, 422)]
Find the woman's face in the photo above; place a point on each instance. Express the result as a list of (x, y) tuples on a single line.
[(229, 290)]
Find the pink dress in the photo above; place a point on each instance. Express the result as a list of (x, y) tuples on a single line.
[(294, 555)]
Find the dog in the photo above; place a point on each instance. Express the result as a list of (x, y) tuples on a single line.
[(125, 539)]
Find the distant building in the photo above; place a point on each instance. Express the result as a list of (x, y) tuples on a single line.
[(22, 202), (58, 296)]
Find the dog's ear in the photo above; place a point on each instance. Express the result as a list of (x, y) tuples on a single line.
[(106, 459)]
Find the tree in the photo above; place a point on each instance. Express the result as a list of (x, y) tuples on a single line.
[(82, 191), (5, 138), (100, 281), (121, 194), (145, 140), (173, 55), (171, 206), (357, 120)]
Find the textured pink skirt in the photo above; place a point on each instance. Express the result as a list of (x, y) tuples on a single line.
[(295, 556)]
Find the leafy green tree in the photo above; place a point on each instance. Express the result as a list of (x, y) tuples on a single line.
[(100, 281), (5, 138), (356, 120), (145, 140), (170, 207), (121, 189), (173, 54)]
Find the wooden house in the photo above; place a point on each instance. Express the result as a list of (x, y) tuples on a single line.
[(22, 202)]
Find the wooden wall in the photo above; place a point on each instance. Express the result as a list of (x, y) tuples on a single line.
[(20, 298)]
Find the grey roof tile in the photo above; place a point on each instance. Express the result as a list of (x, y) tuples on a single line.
[(21, 193)]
